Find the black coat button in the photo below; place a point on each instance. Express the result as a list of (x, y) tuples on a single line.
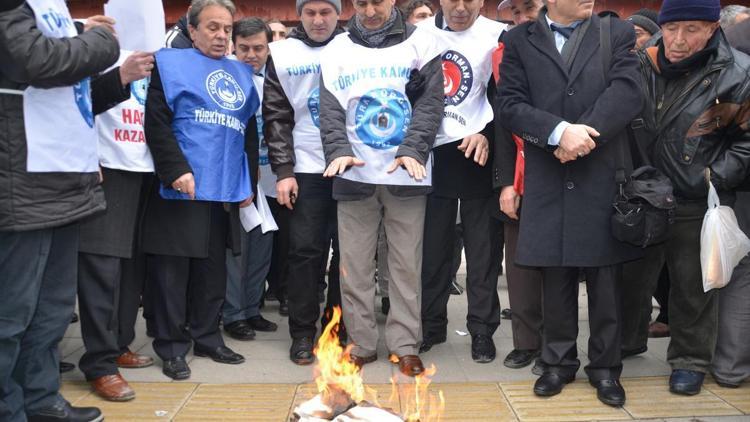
[(571, 91), (570, 185)]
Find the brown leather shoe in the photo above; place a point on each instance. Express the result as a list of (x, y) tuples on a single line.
[(361, 361), (658, 329), (134, 360), (410, 365), (113, 388)]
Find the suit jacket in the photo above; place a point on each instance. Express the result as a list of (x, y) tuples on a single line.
[(565, 220)]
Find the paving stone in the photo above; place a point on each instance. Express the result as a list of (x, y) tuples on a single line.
[(649, 397), (737, 397), (150, 399), (258, 402)]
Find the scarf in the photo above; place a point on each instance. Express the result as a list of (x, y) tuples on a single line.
[(375, 37), (677, 70)]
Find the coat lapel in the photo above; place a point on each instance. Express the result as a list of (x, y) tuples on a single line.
[(540, 37), (586, 49)]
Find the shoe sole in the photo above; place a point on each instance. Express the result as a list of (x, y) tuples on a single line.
[(117, 399), (303, 362), (511, 365), (178, 377), (266, 330), (240, 338), (219, 360), (611, 402), (683, 392), (547, 393), (482, 359), (99, 418), (144, 365)]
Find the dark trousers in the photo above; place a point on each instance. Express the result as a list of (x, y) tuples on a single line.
[(98, 302), (482, 248), (524, 294), (190, 291), (309, 243), (38, 295), (662, 296), (132, 294), (560, 290), (277, 274), (693, 314)]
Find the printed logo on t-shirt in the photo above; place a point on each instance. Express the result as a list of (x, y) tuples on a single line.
[(382, 118), (139, 89), (313, 104), (82, 93), (458, 77), (224, 90)]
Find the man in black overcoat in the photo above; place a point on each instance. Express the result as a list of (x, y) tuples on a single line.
[(554, 94)]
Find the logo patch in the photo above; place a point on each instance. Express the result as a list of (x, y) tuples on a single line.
[(458, 77), (139, 89), (313, 104), (82, 94), (224, 90), (382, 118)]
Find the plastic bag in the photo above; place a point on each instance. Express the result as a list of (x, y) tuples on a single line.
[(723, 244)]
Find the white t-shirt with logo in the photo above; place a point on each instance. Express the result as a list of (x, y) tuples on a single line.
[(370, 84), (467, 67), (122, 143)]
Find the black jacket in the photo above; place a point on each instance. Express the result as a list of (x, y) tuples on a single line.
[(278, 114), (181, 228), (32, 201), (178, 36), (565, 220), (703, 122), (425, 92)]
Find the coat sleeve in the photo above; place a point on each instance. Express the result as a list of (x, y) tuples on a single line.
[(107, 91), (252, 148), (333, 126), (278, 122), (427, 113), (29, 57), (169, 161), (514, 96), (732, 168), (622, 100)]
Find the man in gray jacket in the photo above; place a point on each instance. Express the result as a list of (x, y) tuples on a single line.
[(48, 182)]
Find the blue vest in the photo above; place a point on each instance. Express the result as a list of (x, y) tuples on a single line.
[(212, 101)]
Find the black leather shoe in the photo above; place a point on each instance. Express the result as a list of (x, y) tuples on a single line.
[(64, 412), (66, 367), (221, 354), (482, 348), (550, 384), (609, 392), (518, 358), (633, 352), (686, 382), (258, 323), (301, 351), (539, 368), (74, 318), (428, 342), (385, 305), (240, 330), (176, 368), (283, 307)]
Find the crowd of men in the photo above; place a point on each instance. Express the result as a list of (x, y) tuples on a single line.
[(384, 144)]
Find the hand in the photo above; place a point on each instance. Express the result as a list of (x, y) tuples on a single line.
[(576, 139), (246, 203), (339, 165), (185, 184), (479, 145), (412, 166), (565, 157), (136, 67), (101, 176), (509, 202), (286, 192), (98, 20)]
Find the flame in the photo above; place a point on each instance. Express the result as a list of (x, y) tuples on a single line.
[(418, 404), (335, 374)]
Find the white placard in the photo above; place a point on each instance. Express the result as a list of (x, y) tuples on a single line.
[(139, 24), (252, 216)]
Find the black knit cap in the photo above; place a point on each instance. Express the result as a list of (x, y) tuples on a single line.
[(689, 10)]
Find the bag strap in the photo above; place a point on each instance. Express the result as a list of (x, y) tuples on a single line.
[(605, 43)]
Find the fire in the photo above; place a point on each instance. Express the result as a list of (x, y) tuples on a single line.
[(339, 381)]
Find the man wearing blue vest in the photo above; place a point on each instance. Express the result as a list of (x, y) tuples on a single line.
[(200, 128)]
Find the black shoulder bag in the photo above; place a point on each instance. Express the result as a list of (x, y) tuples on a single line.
[(644, 204)]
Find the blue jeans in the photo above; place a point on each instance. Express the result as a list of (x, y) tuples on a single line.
[(38, 283), (246, 276)]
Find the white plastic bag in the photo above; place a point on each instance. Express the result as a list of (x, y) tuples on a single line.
[(723, 244)]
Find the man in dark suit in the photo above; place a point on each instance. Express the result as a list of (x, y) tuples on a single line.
[(554, 94)]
